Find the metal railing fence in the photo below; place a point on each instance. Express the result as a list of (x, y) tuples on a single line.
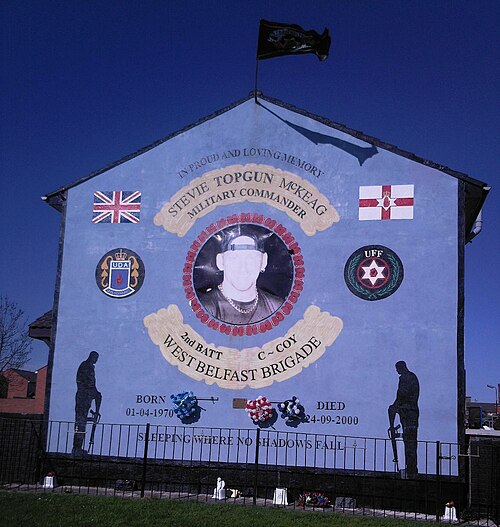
[(353, 474)]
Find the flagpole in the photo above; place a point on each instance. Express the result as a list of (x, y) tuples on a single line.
[(256, 78)]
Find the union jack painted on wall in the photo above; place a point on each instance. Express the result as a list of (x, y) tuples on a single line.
[(386, 202), (116, 207)]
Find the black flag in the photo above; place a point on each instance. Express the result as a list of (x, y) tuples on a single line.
[(277, 39)]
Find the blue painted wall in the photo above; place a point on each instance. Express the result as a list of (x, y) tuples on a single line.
[(416, 324)]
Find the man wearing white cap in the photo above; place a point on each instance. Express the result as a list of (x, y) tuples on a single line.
[(238, 300)]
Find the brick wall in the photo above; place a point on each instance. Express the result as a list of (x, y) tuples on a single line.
[(17, 401)]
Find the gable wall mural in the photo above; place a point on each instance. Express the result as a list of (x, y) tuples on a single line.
[(261, 269)]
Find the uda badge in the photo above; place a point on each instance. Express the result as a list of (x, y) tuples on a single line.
[(120, 273), (373, 272)]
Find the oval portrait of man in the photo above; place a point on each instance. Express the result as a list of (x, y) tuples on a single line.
[(243, 274)]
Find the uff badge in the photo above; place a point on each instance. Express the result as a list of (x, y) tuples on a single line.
[(120, 273), (373, 272)]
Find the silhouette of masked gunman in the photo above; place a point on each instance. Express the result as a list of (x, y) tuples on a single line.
[(86, 393), (406, 406)]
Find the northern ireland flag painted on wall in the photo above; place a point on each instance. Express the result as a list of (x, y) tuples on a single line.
[(386, 202)]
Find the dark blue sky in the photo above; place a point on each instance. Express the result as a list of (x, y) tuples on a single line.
[(86, 83)]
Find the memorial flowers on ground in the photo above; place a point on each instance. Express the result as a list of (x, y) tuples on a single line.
[(313, 499)]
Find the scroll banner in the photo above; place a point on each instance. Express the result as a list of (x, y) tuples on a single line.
[(234, 369), (280, 189)]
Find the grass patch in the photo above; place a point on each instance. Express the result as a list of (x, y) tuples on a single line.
[(58, 510)]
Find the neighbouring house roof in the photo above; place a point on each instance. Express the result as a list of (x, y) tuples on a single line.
[(41, 328), (475, 190), (30, 376)]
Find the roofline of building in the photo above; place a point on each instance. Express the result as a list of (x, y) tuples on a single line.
[(377, 142), (476, 189), (54, 198), (30, 376)]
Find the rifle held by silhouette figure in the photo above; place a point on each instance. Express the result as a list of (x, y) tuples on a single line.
[(394, 433), (95, 417)]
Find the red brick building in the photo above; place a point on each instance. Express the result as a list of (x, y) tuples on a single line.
[(23, 391)]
